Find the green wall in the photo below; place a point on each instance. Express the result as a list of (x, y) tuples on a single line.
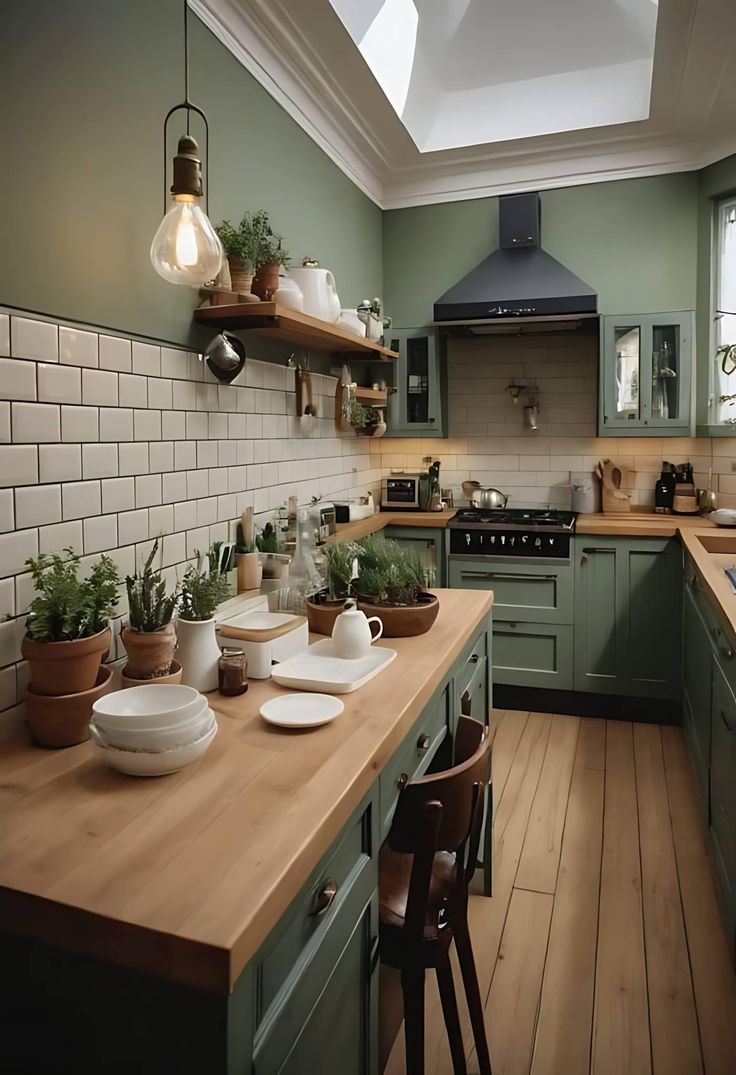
[(85, 88), (633, 240)]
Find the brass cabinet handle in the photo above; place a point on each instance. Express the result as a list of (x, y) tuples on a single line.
[(323, 900), (724, 718), (423, 744), (402, 781), (726, 652), (583, 559), (466, 704), (474, 658)]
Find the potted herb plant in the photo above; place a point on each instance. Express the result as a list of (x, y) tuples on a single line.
[(249, 567), (149, 638), (67, 635), (325, 606), (203, 588), (367, 420), (241, 250), (391, 585), (267, 543), (269, 255)]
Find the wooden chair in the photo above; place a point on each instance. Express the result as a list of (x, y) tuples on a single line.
[(425, 868)]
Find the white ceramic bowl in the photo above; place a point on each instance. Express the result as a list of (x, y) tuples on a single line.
[(139, 763), (149, 706), (153, 739), (723, 517)]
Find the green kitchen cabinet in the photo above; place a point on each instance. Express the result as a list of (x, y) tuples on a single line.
[(429, 542), (628, 616), (722, 829), (696, 685), (646, 374), (417, 407)]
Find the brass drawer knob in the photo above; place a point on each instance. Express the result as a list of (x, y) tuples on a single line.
[(323, 900), (402, 781), (423, 744)]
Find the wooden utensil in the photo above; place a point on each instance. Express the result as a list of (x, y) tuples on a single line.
[(615, 500)]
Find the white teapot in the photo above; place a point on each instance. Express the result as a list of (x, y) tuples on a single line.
[(319, 290), (352, 633)]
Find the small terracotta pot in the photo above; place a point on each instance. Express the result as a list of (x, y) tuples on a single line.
[(250, 571), (62, 668), (403, 621), (150, 653), (241, 275), (174, 676), (322, 613), (63, 721), (266, 281)]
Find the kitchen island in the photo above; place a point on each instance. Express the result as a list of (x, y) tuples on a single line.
[(177, 923)]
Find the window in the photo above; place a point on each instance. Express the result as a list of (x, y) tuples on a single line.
[(724, 313)]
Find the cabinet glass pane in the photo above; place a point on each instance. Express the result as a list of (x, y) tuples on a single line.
[(417, 379), (666, 371), (627, 373)]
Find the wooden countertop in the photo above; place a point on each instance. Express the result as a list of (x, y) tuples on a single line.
[(183, 876), (381, 519), (640, 524), (710, 560)]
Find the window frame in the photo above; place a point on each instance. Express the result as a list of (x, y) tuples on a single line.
[(718, 385)]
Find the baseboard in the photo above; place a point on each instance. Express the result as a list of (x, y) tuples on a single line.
[(583, 704)]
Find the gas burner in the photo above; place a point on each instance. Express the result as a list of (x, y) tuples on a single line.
[(519, 532)]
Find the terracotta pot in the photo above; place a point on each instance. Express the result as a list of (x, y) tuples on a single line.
[(250, 571), (404, 621), (63, 721), (62, 668), (150, 653), (241, 275), (322, 613), (266, 281), (174, 676)]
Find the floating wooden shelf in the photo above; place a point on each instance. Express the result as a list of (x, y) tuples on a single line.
[(270, 319), (372, 397)]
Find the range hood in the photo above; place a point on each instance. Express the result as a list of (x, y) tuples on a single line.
[(519, 282)]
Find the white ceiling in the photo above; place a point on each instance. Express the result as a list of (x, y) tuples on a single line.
[(433, 100)]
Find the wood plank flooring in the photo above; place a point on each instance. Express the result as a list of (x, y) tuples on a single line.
[(601, 951)]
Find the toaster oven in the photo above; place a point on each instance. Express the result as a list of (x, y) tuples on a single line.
[(400, 491)]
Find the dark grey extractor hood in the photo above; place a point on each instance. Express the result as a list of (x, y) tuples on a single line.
[(519, 281)]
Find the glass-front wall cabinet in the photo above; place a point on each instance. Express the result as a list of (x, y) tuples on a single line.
[(646, 374), (416, 407)]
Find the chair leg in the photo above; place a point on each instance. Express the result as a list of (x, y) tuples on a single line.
[(452, 1018), (472, 992), (412, 985)]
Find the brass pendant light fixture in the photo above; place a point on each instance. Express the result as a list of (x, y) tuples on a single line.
[(186, 248)]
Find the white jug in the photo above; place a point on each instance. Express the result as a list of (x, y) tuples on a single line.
[(352, 633), (318, 290)]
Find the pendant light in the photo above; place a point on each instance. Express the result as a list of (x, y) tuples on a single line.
[(186, 248)]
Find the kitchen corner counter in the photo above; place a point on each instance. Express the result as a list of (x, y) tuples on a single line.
[(381, 519), (183, 877), (640, 524), (710, 562)]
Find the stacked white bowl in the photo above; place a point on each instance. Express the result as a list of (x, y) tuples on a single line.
[(153, 729)]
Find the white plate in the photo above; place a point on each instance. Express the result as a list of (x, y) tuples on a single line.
[(723, 517), (301, 710), (142, 763), (319, 669)]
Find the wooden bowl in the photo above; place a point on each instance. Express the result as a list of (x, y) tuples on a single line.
[(321, 615), (404, 621)]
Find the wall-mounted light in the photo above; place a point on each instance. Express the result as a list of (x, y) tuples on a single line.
[(186, 248)]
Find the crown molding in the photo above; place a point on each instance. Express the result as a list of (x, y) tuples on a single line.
[(361, 134)]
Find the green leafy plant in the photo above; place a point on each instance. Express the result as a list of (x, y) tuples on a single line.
[(390, 573), (268, 540), (150, 607), (202, 589), (340, 560), (66, 607), (361, 416), (253, 240)]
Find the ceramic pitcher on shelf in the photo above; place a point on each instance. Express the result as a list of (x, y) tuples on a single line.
[(318, 290), (352, 632)]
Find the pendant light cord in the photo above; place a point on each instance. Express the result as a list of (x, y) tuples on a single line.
[(186, 60)]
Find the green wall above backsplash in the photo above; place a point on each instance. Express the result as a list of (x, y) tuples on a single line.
[(85, 88), (633, 240)]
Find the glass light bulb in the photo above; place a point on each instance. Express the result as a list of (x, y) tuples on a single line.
[(186, 248)]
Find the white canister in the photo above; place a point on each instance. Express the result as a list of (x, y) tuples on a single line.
[(586, 492), (198, 653)]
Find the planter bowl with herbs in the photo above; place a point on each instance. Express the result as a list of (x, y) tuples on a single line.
[(150, 638)]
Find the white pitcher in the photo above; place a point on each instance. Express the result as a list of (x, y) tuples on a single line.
[(198, 653), (352, 633), (318, 290)]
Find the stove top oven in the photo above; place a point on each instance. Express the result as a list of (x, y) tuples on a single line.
[(534, 533)]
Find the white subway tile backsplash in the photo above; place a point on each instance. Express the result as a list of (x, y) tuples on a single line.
[(173, 425), (18, 380), (59, 462), (7, 511), (174, 363), (116, 424), (118, 494), (100, 534), (184, 396), (37, 340), (206, 453), (147, 359), (80, 499), (115, 354), (174, 487), (160, 520), (185, 515), (18, 464), (33, 423), (147, 425), (99, 460), (132, 526), (160, 456), (4, 335), (147, 490), (132, 390), (133, 458), (77, 348), (79, 424), (7, 598), (15, 549), (197, 484), (61, 536), (196, 425), (36, 505), (174, 549), (217, 428), (185, 455), (4, 423), (100, 388), (56, 383), (159, 393)]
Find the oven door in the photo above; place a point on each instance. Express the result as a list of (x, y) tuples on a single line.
[(400, 493)]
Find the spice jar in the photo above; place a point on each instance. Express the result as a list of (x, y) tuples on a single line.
[(231, 672)]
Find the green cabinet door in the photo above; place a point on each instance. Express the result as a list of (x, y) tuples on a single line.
[(628, 616), (417, 407), (429, 542), (697, 676), (722, 832)]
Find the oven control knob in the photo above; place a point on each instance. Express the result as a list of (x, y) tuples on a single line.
[(537, 543), (503, 539), (524, 539), (551, 541), (467, 539), (493, 539)]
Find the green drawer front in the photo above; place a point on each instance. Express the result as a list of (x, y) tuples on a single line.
[(469, 664), (724, 645), (532, 593), (413, 756), (298, 927), (532, 655), (723, 773), (473, 698)]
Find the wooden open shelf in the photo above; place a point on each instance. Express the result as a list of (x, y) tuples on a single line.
[(270, 319), (372, 397)]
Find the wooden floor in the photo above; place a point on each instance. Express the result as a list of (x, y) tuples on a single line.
[(601, 950)]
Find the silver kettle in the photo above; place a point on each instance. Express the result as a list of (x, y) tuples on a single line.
[(481, 497)]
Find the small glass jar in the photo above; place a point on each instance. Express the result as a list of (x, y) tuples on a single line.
[(231, 672)]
